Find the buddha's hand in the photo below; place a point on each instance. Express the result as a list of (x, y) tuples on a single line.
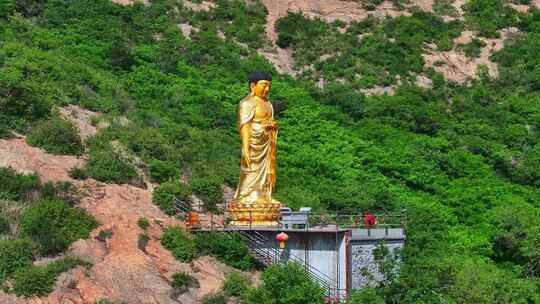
[(272, 124)]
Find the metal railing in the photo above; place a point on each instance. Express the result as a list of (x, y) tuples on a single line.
[(322, 221)]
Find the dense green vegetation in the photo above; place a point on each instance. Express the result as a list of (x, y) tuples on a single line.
[(286, 284), (182, 282), (39, 280), (43, 223), (464, 161), (56, 136), (54, 225), (230, 249)]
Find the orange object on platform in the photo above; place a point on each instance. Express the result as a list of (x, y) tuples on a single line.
[(193, 218)]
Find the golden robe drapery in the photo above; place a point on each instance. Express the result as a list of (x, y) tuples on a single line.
[(258, 180)]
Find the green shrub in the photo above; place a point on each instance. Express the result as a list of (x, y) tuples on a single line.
[(229, 249), (181, 245), (208, 189), (366, 296), (14, 254), (39, 280), (30, 281), (6, 8), (487, 16), (286, 284), (164, 194), (57, 136), (16, 186), (143, 223), (64, 191), (77, 173), (4, 225), (182, 282), (214, 298), (106, 164), (236, 284), (161, 171), (104, 235), (473, 48), (54, 225)]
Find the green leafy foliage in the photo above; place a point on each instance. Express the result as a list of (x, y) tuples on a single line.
[(54, 225), (209, 190), (182, 246), (108, 164), (57, 136), (143, 223), (487, 16), (235, 284), (182, 282), (39, 280), (229, 249), (161, 171), (164, 194), (17, 186), (214, 298), (14, 254), (5, 227), (473, 48), (386, 49), (286, 284)]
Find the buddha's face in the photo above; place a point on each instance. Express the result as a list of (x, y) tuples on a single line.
[(261, 88)]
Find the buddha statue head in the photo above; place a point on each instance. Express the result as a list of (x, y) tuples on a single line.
[(259, 84)]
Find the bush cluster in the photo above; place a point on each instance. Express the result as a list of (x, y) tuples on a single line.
[(164, 194), (17, 186), (182, 282), (39, 280), (181, 245), (229, 249), (14, 254), (54, 225), (57, 136), (286, 284), (208, 189), (107, 164), (235, 284)]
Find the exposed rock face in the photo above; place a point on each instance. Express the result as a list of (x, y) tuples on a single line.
[(16, 153), (81, 118), (121, 271), (457, 67), (329, 10), (197, 7)]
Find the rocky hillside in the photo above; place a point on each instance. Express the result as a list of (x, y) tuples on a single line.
[(121, 270)]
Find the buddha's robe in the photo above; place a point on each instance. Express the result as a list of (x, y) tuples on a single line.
[(258, 180)]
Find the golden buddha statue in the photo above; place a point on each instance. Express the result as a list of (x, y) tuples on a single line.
[(253, 203)]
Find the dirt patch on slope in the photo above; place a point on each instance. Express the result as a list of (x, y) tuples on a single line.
[(82, 118), (16, 153)]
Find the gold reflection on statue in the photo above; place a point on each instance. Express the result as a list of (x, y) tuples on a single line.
[(253, 203)]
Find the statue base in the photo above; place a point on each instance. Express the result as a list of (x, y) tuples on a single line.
[(259, 214)]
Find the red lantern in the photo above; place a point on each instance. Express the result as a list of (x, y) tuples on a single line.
[(282, 238), (370, 220)]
